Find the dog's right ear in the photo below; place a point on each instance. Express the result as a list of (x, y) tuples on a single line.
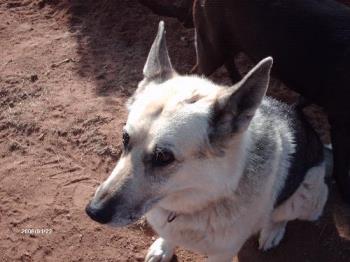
[(158, 66)]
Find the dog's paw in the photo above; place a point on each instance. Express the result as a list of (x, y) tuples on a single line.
[(271, 236), (160, 251)]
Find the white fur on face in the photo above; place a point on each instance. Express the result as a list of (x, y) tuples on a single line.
[(176, 114)]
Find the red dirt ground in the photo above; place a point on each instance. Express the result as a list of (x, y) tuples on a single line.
[(66, 69)]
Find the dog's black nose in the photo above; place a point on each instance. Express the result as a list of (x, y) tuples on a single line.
[(102, 215)]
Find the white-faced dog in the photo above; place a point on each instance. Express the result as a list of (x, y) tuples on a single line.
[(211, 165)]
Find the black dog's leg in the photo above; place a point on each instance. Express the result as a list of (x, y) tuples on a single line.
[(211, 48), (209, 54), (232, 70), (340, 131)]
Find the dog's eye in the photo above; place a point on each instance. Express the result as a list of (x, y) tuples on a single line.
[(162, 157), (126, 139)]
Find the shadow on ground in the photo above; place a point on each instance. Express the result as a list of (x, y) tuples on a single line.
[(114, 37)]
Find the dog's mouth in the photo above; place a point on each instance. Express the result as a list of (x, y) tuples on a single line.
[(119, 215)]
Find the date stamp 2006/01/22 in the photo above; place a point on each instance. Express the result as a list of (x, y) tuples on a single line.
[(36, 231)]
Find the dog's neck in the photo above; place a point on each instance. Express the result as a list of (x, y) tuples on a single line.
[(212, 210)]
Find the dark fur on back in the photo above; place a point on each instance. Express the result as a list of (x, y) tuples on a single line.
[(274, 121), (308, 153)]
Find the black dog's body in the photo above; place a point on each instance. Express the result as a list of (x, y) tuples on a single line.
[(310, 43)]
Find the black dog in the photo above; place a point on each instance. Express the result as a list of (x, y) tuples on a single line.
[(310, 43)]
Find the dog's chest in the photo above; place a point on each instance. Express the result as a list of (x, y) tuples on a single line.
[(206, 231)]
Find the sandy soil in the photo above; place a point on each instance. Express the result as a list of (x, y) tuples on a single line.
[(66, 69)]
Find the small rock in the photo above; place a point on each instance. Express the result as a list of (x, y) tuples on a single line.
[(34, 78)]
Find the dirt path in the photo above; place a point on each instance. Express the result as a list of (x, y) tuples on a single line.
[(66, 69)]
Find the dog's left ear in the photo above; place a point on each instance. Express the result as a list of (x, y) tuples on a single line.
[(158, 66), (236, 106)]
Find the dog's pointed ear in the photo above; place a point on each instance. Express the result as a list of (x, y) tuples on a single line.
[(236, 106), (158, 65)]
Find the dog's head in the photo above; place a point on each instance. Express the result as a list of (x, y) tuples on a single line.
[(181, 137)]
